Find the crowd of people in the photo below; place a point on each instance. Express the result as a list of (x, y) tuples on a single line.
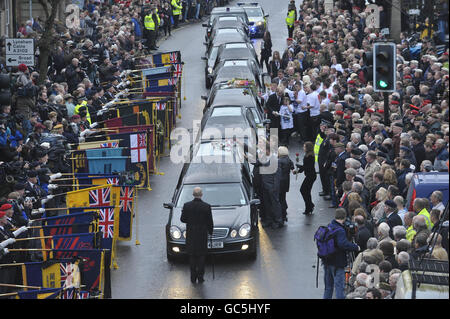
[(319, 96), (85, 73)]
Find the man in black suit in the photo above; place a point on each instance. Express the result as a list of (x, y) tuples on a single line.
[(363, 234), (198, 218), (273, 107), (392, 218)]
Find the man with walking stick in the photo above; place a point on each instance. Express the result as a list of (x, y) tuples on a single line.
[(199, 223)]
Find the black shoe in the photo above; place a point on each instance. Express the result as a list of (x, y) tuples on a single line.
[(200, 280), (327, 197), (333, 206)]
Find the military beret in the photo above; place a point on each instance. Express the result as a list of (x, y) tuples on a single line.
[(5, 207), (390, 203), (395, 102), (2, 214), (339, 113)]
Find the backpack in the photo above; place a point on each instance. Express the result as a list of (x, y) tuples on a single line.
[(325, 241)]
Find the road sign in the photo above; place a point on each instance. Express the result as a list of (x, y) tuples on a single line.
[(19, 51)]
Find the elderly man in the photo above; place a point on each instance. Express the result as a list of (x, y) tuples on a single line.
[(436, 201), (199, 223), (371, 167), (392, 218)]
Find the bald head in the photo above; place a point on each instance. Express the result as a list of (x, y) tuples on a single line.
[(197, 192)]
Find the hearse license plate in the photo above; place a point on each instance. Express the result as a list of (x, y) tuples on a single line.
[(215, 244)]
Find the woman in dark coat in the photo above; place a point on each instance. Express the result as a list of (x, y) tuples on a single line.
[(285, 166), (310, 176), (266, 50), (275, 64)]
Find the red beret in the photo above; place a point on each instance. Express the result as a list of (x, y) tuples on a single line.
[(425, 102), (414, 112), (414, 107), (2, 214), (380, 111), (5, 207), (296, 22), (339, 112), (347, 117), (408, 76), (395, 102), (445, 53), (289, 39), (351, 82), (22, 67), (370, 111), (330, 41)]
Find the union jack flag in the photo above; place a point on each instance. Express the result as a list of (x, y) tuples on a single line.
[(100, 197), (178, 70), (172, 81), (68, 294), (106, 222), (109, 145), (66, 271), (126, 198), (112, 181), (83, 295), (173, 57), (161, 106)]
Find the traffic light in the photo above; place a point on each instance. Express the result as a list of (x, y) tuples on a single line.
[(384, 65), (5, 89), (368, 66)]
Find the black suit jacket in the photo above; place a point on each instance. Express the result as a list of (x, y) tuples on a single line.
[(273, 104), (199, 222), (393, 220)]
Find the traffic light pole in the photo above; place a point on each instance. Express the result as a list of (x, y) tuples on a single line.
[(386, 108)]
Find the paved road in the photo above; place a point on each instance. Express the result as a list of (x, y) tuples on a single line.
[(285, 265)]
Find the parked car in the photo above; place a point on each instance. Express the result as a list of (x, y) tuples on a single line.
[(424, 184)]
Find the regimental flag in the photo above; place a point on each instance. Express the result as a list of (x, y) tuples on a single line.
[(106, 160), (70, 275), (86, 181), (74, 218), (74, 241), (67, 229), (51, 276), (106, 223), (98, 144), (138, 147), (90, 266), (54, 273), (95, 196), (32, 274), (49, 293), (165, 58), (69, 293), (126, 212)]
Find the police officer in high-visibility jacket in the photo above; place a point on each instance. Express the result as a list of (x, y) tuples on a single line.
[(151, 23), (290, 19), (177, 6), (82, 107)]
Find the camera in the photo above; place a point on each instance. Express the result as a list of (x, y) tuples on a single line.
[(350, 228)]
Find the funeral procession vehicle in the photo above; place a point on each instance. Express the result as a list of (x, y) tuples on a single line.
[(257, 16), (227, 22), (226, 11), (247, 69), (220, 169), (236, 92), (220, 36)]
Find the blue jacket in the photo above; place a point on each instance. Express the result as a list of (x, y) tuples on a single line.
[(137, 27), (339, 260)]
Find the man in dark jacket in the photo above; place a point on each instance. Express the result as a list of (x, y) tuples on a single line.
[(334, 272), (199, 223), (392, 218), (273, 107)]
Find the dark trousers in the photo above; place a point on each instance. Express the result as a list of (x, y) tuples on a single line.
[(313, 127), (301, 120), (175, 20), (284, 205), (197, 264), (290, 31), (284, 137), (167, 27), (332, 190), (264, 59), (325, 180), (305, 190), (151, 38)]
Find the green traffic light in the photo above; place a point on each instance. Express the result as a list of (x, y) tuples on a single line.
[(383, 84)]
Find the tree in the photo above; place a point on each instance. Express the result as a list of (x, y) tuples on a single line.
[(48, 38)]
